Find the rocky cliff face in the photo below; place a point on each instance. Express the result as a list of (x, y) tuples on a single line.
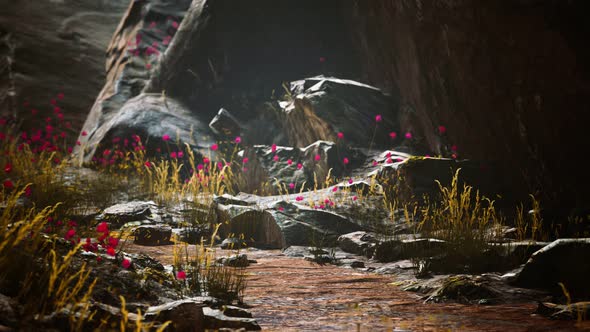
[(49, 47), (509, 80)]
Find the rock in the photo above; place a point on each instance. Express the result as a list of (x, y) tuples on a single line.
[(394, 249), (225, 125), (463, 289), (194, 235), (7, 313), (233, 243), (153, 235), (233, 311), (577, 310), (128, 212), (360, 243), (185, 315), (516, 253), (240, 260), (143, 34), (216, 319), (258, 228), (357, 264), (175, 123), (562, 261), (265, 165), (75, 36), (418, 176), (324, 106)]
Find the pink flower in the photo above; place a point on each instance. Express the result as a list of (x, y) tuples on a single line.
[(214, 147), (453, 148), (175, 25), (378, 118), (126, 263), (340, 135), (148, 164), (393, 135), (299, 198), (245, 160), (350, 181), (180, 275), (317, 157), (408, 135), (442, 130), (275, 158), (354, 198), (291, 185), (299, 166), (148, 66), (345, 161), (84, 133), (180, 154), (238, 140), (220, 165), (389, 160), (375, 163), (166, 138), (273, 148), (335, 189), (322, 59), (289, 162), (206, 160), (70, 234), (281, 208), (200, 167)]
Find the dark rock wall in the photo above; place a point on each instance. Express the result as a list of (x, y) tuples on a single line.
[(508, 79), (54, 47)]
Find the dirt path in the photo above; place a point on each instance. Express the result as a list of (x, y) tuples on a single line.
[(291, 294)]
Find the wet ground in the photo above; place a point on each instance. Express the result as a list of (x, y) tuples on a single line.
[(291, 294)]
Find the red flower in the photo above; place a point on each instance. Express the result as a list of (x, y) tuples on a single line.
[(299, 198), (273, 148), (28, 191), (70, 234), (111, 251), (60, 95), (340, 135), (147, 164), (345, 161), (289, 162), (317, 157), (378, 118), (166, 138), (206, 160), (275, 158), (126, 263), (214, 147), (180, 275), (173, 155), (8, 184), (84, 133), (393, 135), (113, 242), (442, 130), (8, 168), (103, 227), (245, 160), (299, 166), (238, 140)]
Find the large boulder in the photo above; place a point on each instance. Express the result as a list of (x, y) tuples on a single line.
[(321, 107), (563, 261), (145, 32), (54, 50), (164, 126)]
